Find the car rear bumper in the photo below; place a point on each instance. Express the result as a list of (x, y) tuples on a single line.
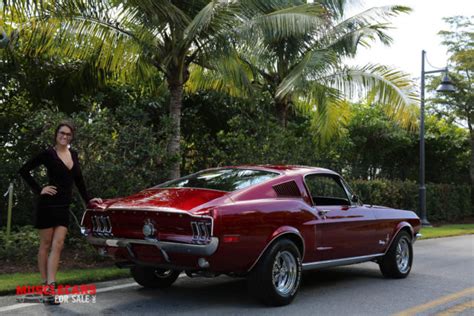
[(417, 236), (164, 246)]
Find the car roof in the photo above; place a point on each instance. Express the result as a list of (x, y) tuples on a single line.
[(285, 169)]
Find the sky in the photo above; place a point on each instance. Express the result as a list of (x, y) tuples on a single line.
[(413, 32)]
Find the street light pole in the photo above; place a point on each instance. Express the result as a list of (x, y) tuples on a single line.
[(445, 86), (422, 190)]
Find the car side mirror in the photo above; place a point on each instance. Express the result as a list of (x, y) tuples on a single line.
[(355, 198)]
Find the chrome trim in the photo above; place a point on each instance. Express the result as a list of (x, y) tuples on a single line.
[(271, 241), (110, 225), (106, 228), (193, 249), (324, 248), (194, 228), (83, 216), (164, 210), (94, 228), (152, 208), (417, 235), (98, 225), (339, 262)]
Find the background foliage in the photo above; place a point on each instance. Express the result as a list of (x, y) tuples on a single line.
[(121, 139), (124, 129)]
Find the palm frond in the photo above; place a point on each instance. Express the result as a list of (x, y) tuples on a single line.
[(227, 74), (330, 119), (361, 29), (379, 83), (155, 12), (210, 22), (328, 110), (336, 7), (284, 22), (78, 32), (315, 61)]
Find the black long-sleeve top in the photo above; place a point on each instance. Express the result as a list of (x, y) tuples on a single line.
[(59, 176)]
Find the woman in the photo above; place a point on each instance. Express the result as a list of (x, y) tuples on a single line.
[(52, 217)]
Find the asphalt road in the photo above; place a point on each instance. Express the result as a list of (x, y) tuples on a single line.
[(441, 283)]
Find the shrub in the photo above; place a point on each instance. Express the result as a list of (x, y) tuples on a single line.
[(444, 202), (22, 245)]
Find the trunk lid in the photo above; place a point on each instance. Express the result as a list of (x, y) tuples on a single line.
[(177, 198), (163, 214)]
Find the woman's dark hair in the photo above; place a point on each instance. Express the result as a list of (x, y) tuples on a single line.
[(67, 124)]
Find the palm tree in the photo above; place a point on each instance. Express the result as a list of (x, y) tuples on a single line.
[(129, 40), (297, 57), (289, 47)]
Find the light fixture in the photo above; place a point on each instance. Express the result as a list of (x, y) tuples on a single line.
[(446, 85)]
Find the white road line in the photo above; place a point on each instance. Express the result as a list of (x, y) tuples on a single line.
[(101, 290), (116, 287), (16, 306)]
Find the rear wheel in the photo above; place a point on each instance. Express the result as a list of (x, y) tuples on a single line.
[(155, 278), (398, 260), (275, 279)]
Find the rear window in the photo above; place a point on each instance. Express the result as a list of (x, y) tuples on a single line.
[(231, 179)]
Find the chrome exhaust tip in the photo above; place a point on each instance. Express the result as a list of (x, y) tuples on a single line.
[(203, 263)]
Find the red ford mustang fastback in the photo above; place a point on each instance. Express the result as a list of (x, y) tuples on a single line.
[(266, 223)]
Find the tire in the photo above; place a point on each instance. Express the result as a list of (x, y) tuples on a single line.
[(396, 263), (154, 278), (276, 278)]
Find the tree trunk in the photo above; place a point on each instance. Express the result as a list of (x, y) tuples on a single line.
[(174, 146), (282, 111)]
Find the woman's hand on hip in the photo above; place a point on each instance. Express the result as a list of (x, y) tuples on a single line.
[(49, 189)]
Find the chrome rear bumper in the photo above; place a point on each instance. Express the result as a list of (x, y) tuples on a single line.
[(164, 246), (417, 236)]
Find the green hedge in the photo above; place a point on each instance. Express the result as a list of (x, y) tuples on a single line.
[(444, 202)]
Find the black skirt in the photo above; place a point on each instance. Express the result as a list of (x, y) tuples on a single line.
[(48, 216)]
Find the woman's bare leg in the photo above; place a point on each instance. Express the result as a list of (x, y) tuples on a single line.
[(59, 235), (46, 237)]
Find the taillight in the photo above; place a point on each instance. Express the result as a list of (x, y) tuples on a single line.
[(101, 225), (202, 231)]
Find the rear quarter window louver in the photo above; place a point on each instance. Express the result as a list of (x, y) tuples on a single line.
[(287, 189)]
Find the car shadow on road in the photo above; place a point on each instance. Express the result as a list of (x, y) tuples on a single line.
[(330, 276), (196, 296), (200, 295)]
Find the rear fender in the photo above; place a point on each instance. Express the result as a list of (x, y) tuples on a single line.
[(283, 231)]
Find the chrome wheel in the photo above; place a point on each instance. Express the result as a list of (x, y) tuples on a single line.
[(403, 255), (397, 261), (284, 272)]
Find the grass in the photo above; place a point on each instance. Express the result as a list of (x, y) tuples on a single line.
[(447, 231), (9, 282)]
